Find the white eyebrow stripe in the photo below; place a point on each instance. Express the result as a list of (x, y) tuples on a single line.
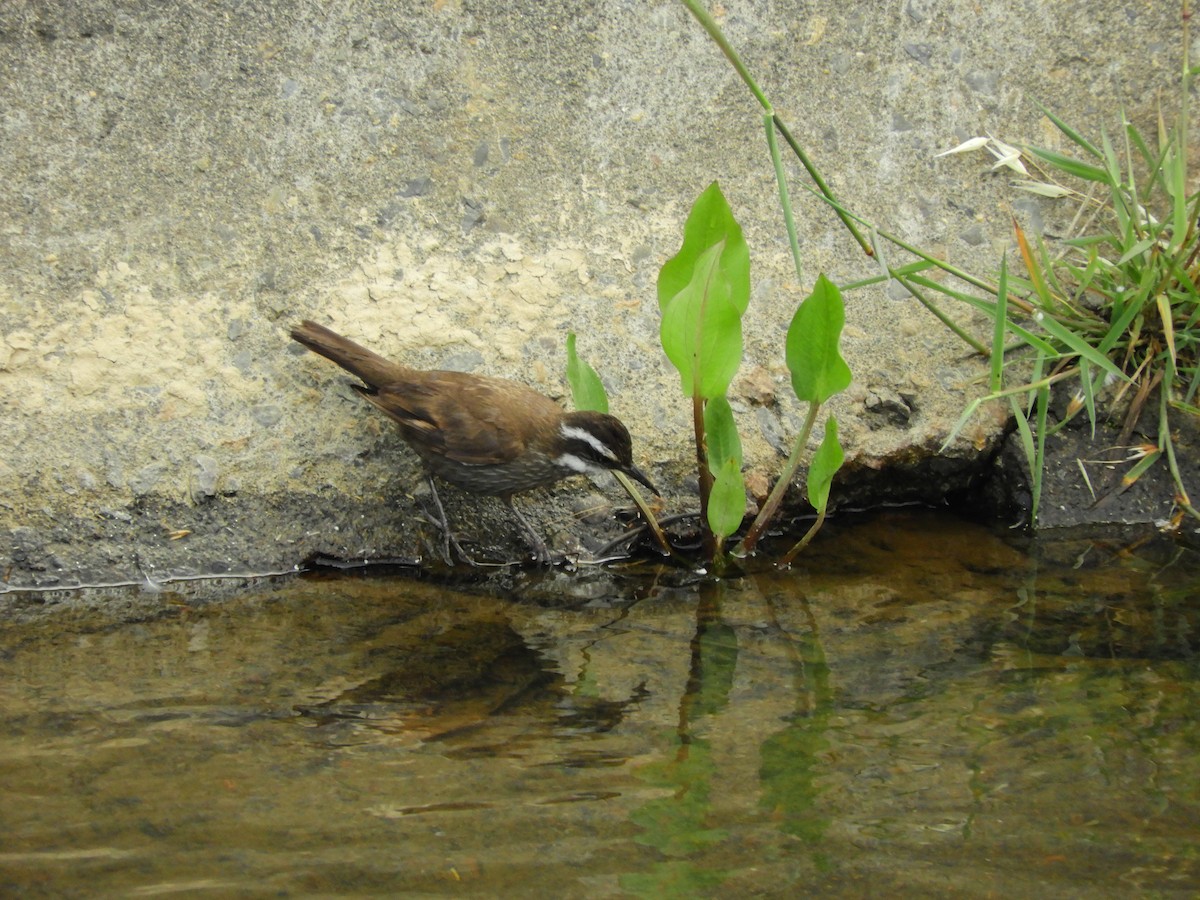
[(576, 464), (571, 432)]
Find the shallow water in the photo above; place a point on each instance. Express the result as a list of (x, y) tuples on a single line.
[(920, 707)]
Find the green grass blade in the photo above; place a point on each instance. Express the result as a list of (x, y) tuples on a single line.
[(1151, 160), (1025, 433), (1070, 132), (904, 271), (1043, 407), (962, 421), (1079, 346), (999, 320), (1165, 316), (1139, 469), (988, 307), (785, 200), (1071, 166), (965, 336), (1175, 176), (1120, 325), (1087, 387), (1136, 250)]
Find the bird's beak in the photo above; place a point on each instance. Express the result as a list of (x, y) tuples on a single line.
[(637, 474)]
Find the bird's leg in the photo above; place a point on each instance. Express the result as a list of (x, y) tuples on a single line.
[(443, 522), (540, 550)]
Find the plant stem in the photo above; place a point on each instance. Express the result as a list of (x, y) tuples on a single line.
[(704, 475), (1186, 15), (803, 542), (652, 523), (709, 24), (953, 326), (714, 31), (769, 508), (1164, 440)]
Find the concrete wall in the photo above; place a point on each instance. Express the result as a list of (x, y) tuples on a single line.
[(459, 184)]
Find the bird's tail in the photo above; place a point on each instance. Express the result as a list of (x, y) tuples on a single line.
[(358, 360)]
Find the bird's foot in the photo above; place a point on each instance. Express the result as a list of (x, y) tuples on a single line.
[(541, 553), (450, 545)]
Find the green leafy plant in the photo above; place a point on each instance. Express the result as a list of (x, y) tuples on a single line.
[(1114, 305), (703, 291), (818, 372), (1117, 298)]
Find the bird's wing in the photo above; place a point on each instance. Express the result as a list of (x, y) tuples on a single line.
[(457, 416)]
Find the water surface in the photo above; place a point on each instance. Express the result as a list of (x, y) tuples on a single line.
[(921, 706)]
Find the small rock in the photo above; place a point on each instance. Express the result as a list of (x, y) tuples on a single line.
[(922, 53), (973, 235), (756, 387), (206, 475), (758, 485), (593, 508), (417, 187), (982, 82), (772, 431), (473, 213), (266, 414), (917, 10)]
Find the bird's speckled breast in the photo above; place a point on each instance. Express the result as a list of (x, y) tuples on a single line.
[(531, 470)]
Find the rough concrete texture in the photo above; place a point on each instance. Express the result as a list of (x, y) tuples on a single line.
[(458, 184)]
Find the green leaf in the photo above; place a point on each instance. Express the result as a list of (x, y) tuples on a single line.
[(1078, 345), (998, 322), (1070, 132), (825, 463), (1175, 182), (1071, 166), (710, 222), (989, 308), (818, 370), (1025, 433), (1089, 386), (701, 329), (587, 392), (721, 433), (1136, 250), (727, 501)]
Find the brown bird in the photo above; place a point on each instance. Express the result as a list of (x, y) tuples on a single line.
[(486, 435)]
